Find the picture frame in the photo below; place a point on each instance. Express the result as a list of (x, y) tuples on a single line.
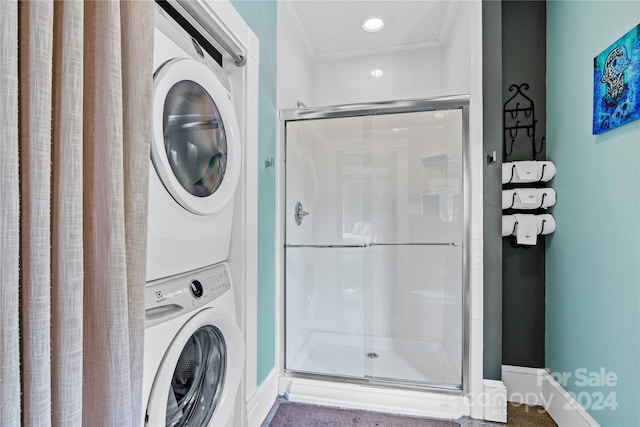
[(616, 83)]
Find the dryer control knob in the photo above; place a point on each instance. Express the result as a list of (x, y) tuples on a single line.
[(196, 288)]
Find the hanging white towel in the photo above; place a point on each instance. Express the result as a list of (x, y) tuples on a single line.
[(546, 171), (508, 225), (526, 229), (546, 224)]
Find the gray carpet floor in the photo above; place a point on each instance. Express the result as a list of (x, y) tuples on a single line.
[(290, 414)]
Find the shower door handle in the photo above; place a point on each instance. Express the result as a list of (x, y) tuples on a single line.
[(300, 213)]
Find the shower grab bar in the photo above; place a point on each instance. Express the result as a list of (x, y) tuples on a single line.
[(365, 245)]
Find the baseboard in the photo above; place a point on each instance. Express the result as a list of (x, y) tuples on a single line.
[(495, 401), (524, 385), (534, 386), (261, 400), (563, 408)]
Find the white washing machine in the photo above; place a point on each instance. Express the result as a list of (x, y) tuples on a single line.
[(194, 351), (195, 156)]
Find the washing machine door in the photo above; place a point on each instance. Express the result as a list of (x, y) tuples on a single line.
[(199, 376), (195, 147)]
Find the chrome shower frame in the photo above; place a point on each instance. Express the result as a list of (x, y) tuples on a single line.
[(460, 102)]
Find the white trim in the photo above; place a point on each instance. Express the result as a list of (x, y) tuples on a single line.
[(495, 401), (249, 242), (523, 384), (231, 22), (244, 240), (356, 396), (299, 27), (261, 400), (535, 386), (563, 408), (377, 51), (279, 249), (449, 18), (475, 262)]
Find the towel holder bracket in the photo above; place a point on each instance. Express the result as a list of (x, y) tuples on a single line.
[(519, 119)]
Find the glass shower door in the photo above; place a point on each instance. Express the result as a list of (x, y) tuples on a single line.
[(325, 234), (413, 289), (374, 238)]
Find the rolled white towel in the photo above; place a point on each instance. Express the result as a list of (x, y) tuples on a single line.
[(528, 198), (508, 199), (526, 229), (547, 197), (546, 171), (507, 172), (519, 172), (508, 225), (546, 224), (527, 171)]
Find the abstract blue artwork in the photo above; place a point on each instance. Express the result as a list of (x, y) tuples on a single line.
[(616, 83)]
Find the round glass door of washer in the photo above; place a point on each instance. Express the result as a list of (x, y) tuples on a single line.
[(198, 379), (196, 147)]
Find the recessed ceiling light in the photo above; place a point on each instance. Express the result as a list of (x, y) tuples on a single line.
[(377, 73), (372, 25)]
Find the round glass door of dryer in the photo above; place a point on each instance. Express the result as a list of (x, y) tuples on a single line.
[(194, 138), (195, 147), (198, 379)]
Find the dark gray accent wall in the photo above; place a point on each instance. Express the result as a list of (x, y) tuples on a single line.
[(492, 137), (523, 270)]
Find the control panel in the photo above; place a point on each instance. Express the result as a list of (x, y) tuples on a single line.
[(168, 298)]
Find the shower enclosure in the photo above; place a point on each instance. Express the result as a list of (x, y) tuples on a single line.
[(375, 240)]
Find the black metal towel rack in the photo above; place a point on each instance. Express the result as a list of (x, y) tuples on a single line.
[(519, 115)]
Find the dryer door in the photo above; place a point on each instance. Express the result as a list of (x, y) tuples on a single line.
[(198, 379), (195, 147)]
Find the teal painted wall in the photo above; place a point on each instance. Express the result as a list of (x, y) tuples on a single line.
[(593, 259), (261, 16)]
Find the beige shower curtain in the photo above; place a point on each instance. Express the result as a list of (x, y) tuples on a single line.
[(75, 88)]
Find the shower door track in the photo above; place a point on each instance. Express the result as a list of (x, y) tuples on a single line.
[(454, 102), (375, 108), (368, 245), (378, 382)]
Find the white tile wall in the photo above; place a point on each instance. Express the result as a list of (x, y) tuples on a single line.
[(406, 74), (295, 63)]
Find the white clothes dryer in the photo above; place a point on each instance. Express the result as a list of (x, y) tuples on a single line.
[(194, 350), (195, 156)]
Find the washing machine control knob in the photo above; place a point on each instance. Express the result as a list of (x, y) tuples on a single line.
[(196, 288)]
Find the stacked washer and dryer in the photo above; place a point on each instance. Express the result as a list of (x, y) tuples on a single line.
[(194, 349)]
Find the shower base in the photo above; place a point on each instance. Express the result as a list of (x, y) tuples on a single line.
[(387, 359)]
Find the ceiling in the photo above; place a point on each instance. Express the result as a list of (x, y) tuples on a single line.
[(334, 27)]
